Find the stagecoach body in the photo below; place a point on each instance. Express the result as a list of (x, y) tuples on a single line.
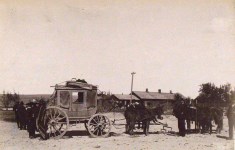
[(71, 103), (78, 100)]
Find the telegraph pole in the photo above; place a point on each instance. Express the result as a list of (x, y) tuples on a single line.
[(132, 77)]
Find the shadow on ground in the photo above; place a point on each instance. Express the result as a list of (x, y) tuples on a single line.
[(222, 137)]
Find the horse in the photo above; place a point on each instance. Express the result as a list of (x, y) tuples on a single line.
[(139, 113), (204, 117), (217, 116)]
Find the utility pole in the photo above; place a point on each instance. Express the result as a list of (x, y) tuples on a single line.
[(132, 77)]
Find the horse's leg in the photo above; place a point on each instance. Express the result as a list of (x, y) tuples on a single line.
[(131, 127), (210, 127), (222, 124), (188, 124), (200, 127), (147, 127), (144, 126), (127, 126)]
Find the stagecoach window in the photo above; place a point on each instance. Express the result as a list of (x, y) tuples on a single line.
[(64, 98), (78, 97)]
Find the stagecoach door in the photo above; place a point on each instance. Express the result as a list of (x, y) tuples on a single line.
[(63, 99), (78, 100)]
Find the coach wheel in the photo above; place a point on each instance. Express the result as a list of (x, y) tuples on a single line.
[(57, 122), (99, 126)]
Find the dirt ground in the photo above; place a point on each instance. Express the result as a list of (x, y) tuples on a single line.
[(77, 138)]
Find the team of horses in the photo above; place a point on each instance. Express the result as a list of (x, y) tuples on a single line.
[(202, 116), (137, 113)]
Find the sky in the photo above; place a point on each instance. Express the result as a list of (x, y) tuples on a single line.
[(171, 45)]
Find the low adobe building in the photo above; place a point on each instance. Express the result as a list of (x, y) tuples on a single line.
[(124, 99), (152, 99)]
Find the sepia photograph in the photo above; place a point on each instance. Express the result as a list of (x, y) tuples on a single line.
[(117, 74)]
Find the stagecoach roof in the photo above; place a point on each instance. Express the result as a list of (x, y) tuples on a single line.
[(71, 85)]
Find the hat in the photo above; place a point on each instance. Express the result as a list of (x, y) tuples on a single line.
[(34, 101)]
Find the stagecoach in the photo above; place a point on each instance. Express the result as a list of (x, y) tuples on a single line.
[(71, 103)]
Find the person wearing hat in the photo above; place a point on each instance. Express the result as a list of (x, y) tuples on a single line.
[(231, 119), (32, 115), (22, 116), (181, 118), (15, 109)]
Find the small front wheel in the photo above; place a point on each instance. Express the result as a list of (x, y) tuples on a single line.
[(99, 126)]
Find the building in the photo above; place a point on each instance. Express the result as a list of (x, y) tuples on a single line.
[(152, 99), (124, 99), (149, 99)]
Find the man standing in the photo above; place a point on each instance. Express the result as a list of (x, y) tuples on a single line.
[(231, 119), (181, 118), (22, 116), (15, 109), (32, 115)]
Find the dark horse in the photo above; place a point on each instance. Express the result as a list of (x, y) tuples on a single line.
[(139, 113), (217, 116), (204, 117)]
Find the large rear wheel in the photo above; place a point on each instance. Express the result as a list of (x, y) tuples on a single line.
[(57, 122)]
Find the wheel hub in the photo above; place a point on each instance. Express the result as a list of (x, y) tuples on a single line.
[(52, 122)]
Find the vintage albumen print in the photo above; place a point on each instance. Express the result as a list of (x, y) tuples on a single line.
[(117, 74)]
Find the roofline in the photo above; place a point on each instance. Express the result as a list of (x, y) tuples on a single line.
[(114, 95), (155, 92)]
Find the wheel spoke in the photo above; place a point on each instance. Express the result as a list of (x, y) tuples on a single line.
[(54, 134), (61, 126), (95, 129), (101, 131), (94, 120), (92, 127), (106, 123), (58, 119), (93, 124), (58, 115), (55, 111), (57, 129), (50, 114), (103, 119), (50, 131), (98, 131), (98, 118)]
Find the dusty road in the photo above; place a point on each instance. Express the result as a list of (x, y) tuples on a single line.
[(77, 138)]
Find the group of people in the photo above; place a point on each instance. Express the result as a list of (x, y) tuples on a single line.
[(26, 115), (181, 116)]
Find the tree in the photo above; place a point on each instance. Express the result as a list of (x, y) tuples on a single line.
[(232, 96), (9, 99), (5, 102), (16, 97), (210, 95)]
